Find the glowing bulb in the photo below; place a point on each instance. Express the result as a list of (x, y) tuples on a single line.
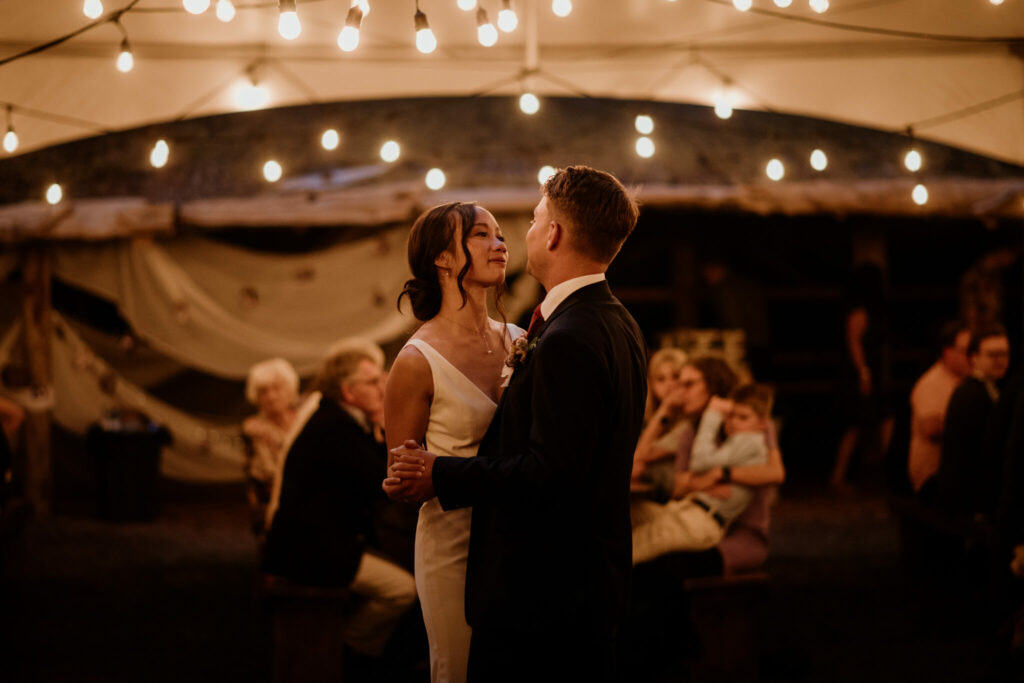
[(125, 60), (196, 6), (272, 171), (288, 24), (529, 103), (251, 96), (54, 194), (819, 162), (561, 8), (775, 170), (507, 19), (544, 173), (723, 105), (996, 2), (467, 5), (92, 8), (435, 179), (742, 5), (225, 10), (348, 39), (486, 34), (330, 139), (783, 3), (390, 151), (645, 147), (425, 40), (819, 6), (920, 194), (363, 5), (644, 124), (160, 154), (913, 161), (10, 141)]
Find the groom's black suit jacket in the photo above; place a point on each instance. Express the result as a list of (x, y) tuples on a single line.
[(550, 545)]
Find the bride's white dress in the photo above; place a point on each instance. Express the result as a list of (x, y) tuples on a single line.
[(459, 416)]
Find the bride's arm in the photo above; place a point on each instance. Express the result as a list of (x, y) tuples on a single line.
[(407, 398)]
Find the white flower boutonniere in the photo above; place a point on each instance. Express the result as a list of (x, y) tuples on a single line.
[(516, 357)]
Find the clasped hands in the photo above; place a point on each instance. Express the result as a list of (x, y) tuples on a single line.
[(410, 475)]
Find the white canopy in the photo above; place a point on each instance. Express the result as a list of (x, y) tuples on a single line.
[(951, 69)]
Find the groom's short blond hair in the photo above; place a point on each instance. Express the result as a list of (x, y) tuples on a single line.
[(598, 210)]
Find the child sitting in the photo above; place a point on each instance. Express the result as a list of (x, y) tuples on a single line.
[(699, 521)]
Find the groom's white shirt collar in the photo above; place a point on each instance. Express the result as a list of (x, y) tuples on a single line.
[(562, 290)]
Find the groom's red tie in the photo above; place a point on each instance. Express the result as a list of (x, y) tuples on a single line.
[(535, 319)]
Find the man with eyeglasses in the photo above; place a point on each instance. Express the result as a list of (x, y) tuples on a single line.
[(970, 464)]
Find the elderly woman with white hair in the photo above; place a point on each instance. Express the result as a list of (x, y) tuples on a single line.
[(273, 387)]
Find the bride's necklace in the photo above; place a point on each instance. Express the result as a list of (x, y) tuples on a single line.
[(479, 333)]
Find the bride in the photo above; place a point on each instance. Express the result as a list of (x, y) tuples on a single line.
[(443, 390)]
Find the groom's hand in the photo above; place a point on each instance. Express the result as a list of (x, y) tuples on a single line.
[(410, 474)]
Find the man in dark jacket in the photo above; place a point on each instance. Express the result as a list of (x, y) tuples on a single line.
[(331, 483)]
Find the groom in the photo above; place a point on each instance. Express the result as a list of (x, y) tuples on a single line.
[(549, 556)]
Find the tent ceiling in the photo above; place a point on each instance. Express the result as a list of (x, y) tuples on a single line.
[(966, 92)]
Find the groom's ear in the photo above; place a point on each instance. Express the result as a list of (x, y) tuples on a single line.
[(555, 235)]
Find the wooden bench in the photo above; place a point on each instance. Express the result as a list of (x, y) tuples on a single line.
[(933, 541), (308, 625), (727, 613)]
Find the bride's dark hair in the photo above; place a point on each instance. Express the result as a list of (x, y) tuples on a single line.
[(432, 234)]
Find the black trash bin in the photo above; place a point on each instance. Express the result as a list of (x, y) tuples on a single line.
[(127, 458)]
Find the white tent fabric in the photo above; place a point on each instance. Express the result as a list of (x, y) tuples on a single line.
[(220, 309), (952, 69)]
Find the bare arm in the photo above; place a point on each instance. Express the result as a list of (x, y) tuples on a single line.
[(11, 416), (407, 398), (856, 326)]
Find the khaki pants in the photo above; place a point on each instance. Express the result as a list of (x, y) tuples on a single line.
[(677, 525), (389, 591)]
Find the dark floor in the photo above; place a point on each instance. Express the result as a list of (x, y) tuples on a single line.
[(174, 600)]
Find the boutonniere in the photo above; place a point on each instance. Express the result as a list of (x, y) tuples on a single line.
[(517, 355)]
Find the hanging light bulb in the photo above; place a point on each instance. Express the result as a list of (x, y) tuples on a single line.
[(775, 170), (125, 60), (363, 5), (996, 2), (250, 94), (644, 124), (467, 5), (645, 147), (160, 154), (425, 40), (272, 171), (10, 137), (544, 173), (783, 3), (507, 19), (920, 194), (390, 151), (330, 139), (819, 6), (561, 8), (528, 103), (819, 161), (54, 193), (435, 179), (486, 34), (225, 10), (196, 6), (723, 104), (348, 39), (743, 5), (913, 161), (288, 24), (92, 8)]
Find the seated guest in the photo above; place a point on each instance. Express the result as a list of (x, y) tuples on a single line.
[(273, 387), (969, 467), (664, 423), (928, 402), (699, 520), (323, 526)]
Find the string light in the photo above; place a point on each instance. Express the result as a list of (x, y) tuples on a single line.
[(920, 194), (425, 40), (775, 170), (348, 39), (996, 2), (644, 124), (196, 6), (467, 5), (819, 6), (544, 173), (363, 5), (225, 10), (330, 139), (528, 103), (54, 194), (743, 5), (125, 59), (92, 8), (645, 147), (507, 19), (160, 154), (486, 34), (783, 3), (250, 94), (561, 8), (819, 161), (288, 24), (390, 151), (723, 104), (913, 161), (435, 179), (272, 171), (10, 137)]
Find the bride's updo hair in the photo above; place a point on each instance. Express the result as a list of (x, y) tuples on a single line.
[(432, 234)]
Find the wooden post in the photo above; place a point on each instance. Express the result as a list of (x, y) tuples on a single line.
[(36, 326)]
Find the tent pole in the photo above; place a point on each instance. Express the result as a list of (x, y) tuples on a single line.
[(36, 325)]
